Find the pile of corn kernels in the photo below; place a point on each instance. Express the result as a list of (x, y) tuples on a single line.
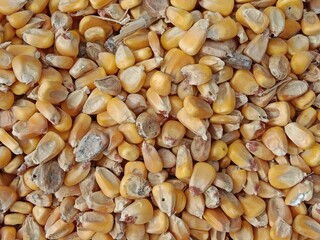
[(160, 119)]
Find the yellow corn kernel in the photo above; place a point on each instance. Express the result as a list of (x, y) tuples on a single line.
[(217, 32), (135, 231), (202, 177), (27, 177), (137, 168), (155, 44), (215, 63), (43, 153), (239, 177), (9, 7), (252, 205), (19, 19), (310, 24), (249, 88), (27, 69), (281, 230), (67, 43), (59, 229), (119, 111), (21, 207), (104, 119), (159, 223), (253, 18), (59, 61), (142, 54), (29, 145), (50, 74), (178, 228), (8, 233), (97, 4), (299, 135), (52, 92), (41, 214), (128, 151), (160, 104), (88, 78), (76, 174), (277, 20), (179, 17), (238, 154), (304, 101), (306, 226), (263, 76), (7, 140), (213, 17), (6, 100), (186, 5), (195, 223), (197, 107), (101, 236), (108, 182), (307, 117), (226, 100), (184, 166), (278, 113), (174, 60), (292, 27), (293, 196), (138, 212), (151, 158), (217, 219), (165, 197), (171, 134), (90, 21), (80, 127), (36, 6), (65, 123), (19, 88), (230, 205), (193, 40), (197, 74), (311, 155), (284, 176), (297, 43), (96, 103), (180, 201), (48, 111), (223, 7), (257, 47), (196, 125), (13, 164), (14, 218), (277, 46), (124, 57), (132, 79), (108, 62), (74, 103), (130, 133), (95, 34), (136, 41), (259, 150), (300, 62), (292, 9), (39, 38), (218, 150), (161, 83), (171, 37), (5, 156), (275, 140)]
